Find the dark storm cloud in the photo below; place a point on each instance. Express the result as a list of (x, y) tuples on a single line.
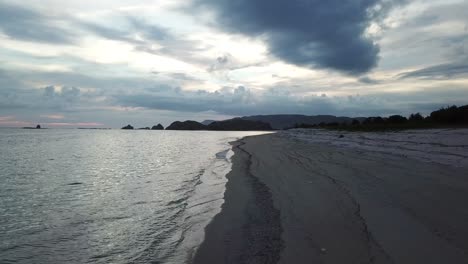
[(312, 33), (24, 24), (438, 72)]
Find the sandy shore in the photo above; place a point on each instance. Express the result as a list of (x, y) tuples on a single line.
[(292, 201)]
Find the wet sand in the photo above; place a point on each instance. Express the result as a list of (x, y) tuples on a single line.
[(291, 201)]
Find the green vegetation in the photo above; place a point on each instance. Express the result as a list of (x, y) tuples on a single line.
[(449, 117)]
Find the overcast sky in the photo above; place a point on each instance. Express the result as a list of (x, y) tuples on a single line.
[(79, 63)]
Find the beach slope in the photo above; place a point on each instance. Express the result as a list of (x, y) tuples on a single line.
[(291, 201)]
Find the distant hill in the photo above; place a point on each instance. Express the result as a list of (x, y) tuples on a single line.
[(289, 121), (186, 125), (238, 124), (157, 127), (208, 122)]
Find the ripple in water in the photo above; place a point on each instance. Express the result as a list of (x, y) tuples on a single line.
[(79, 196)]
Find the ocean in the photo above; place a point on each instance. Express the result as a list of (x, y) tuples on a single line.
[(109, 196)]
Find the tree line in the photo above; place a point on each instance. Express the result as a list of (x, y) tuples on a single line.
[(451, 116)]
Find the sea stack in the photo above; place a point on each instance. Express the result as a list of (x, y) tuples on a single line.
[(38, 127)]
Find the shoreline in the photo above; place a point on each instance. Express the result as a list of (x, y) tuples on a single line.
[(253, 233), (288, 201)]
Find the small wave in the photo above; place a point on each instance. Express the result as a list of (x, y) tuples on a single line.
[(203, 204)]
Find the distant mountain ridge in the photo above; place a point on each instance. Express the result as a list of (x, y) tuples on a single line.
[(238, 124), (289, 121)]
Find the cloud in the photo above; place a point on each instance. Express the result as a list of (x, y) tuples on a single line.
[(8, 82), (106, 32), (279, 100), (327, 34), (367, 80), (227, 62), (13, 123), (77, 124), (46, 98), (130, 64), (131, 25), (221, 62), (228, 101), (25, 24), (6, 118), (143, 34), (150, 31), (438, 72), (54, 117)]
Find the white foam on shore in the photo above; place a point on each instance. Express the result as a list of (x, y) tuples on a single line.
[(443, 146), (207, 199), (206, 202)]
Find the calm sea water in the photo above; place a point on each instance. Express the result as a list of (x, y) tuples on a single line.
[(91, 196)]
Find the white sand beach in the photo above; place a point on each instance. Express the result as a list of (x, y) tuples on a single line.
[(311, 196)]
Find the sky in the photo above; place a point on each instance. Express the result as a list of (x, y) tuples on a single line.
[(108, 63)]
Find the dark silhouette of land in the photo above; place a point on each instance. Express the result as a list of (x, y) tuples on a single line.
[(280, 122), (207, 122), (236, 124), (452, 116), (158, 127), (37, 127), (186, 125)]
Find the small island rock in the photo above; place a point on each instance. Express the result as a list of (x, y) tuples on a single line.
[(128, 127)]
